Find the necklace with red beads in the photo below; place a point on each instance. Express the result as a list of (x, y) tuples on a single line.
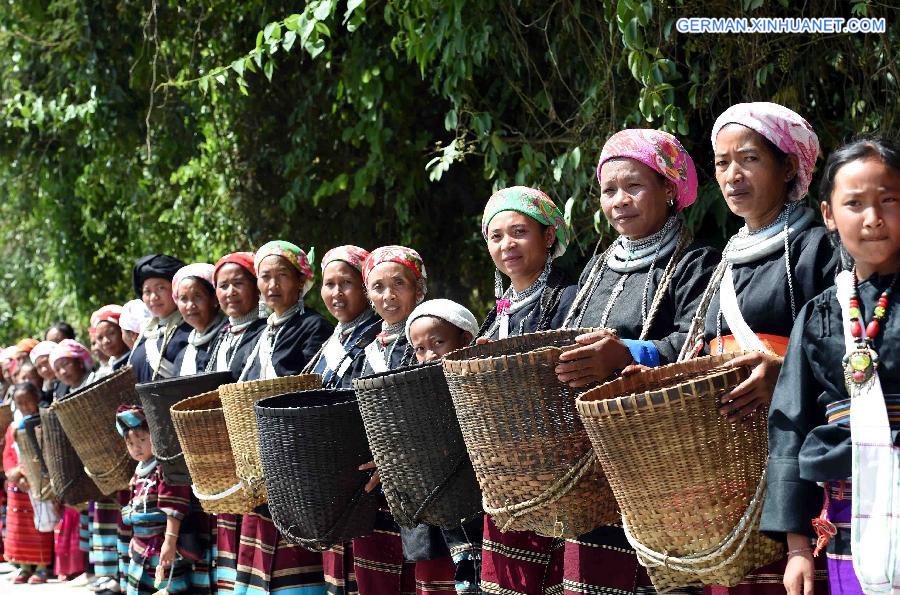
[(861, 363)]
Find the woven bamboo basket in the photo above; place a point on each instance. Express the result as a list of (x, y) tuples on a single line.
[(200, 425), (88, 416), (426, 473), (157, 399), (28, 440), (312, 444), (70, 482), (6, 417), (237, 402), (690, 484), (531, 454)]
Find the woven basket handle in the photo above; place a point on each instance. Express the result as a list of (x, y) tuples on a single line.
[(437, 491), (218, 496)]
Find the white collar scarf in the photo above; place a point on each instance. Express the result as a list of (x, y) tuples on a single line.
[(746, 246), (626, 255), (195, 340), (265, 345)]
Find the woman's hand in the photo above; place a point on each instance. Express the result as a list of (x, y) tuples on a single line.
[(800, 569), (375, 480), (598, 355), (168, 551), (22, 484), (756, 391)]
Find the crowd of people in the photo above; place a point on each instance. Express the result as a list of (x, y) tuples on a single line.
[(811, 305)]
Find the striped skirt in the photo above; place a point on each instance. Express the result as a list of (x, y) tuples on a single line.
[(520, 562), (105, 537), (226, 549), (267, 563), (85, 520), (23, 544), (337, 563), (141, 576)]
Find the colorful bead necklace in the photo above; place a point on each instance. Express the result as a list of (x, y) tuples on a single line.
[(861, 363)]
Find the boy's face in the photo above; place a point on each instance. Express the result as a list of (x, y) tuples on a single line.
[(139, 446), (433, 338), (26, 402)]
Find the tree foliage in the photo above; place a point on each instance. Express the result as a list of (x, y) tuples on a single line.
[(199, 128)]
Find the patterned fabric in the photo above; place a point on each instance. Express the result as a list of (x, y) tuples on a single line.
[(293, 254), (378, 560), (23, 543), (104, 537), (69, 560), (109, 313), (659, 151), (242, 259), (26, 345), (399, 254), (129, 417), (135, 316), (84, 529), (839, 551), (227, 539), (142, 573), (784, 128), (152, 502), (73, 349), (520, 562), (40, 350), (201, 270), (337, 563), (839, 411), (267, 563), (352, 255), (534, 204)]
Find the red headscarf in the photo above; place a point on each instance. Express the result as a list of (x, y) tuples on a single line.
[(242, 259)]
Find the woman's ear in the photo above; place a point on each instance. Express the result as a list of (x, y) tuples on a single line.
[(791, 167), (549, 236), (828, 215), (467, 337)]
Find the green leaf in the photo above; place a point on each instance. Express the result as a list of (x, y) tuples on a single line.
[(289, 38), (204, 83), (272, 31), (352, 5), (576, 158), (450, 120), (498, 144), (292, 23), (238, 67), (269, 69), (323, 10), (323, 29), (316, 47)]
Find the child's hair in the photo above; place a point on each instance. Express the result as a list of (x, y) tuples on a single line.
[(866, 147), (27, 387), (64, 328)]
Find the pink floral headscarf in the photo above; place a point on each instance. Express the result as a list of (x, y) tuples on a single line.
[(661, 152), (784, 128), (201, 270), (73, 349), (532, 203), (293, 254), (352, 255), (399, 254)]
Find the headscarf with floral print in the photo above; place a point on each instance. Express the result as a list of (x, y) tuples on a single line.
[(532, 203), (661, 152), (401, 255), (293, 254), (352, 255)]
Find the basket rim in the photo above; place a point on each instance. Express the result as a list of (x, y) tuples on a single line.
[(268, 411), (250, 385), (455, 361), (115, 376), (176, 380), (635, 401), (396, 375), (181, 406)]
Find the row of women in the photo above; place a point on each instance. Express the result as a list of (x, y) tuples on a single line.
[(655, 296)]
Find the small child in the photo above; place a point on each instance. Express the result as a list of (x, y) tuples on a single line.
[(24, 545), (154, 511), (835, 414), (437, 327)]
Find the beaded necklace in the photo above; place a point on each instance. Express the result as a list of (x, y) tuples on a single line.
[(861, 363)]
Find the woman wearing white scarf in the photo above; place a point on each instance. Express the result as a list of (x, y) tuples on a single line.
[(779, 260), (192, 289)]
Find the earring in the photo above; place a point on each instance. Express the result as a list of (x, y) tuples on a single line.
[(671, 203), (498, 284)]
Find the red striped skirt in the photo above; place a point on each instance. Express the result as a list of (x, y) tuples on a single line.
[(23, 543)]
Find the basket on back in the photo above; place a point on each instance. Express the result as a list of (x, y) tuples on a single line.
[(200, 425), (689, 483), (157, 399), (531, 454), (237, 402), (28, 441), (312, 444), (89, 419), (70, 483), (418, 447)]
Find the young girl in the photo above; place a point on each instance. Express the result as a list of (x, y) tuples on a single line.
[(834, 417), (437, 327), (154, 511), (24, 545)]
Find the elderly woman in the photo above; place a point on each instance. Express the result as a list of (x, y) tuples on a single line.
[(71, 362), (779, 260), (109, 338), (265, 560), (394, 560), (525, 232), (342, 357), (192, 289), (165, 336), (644, 289)]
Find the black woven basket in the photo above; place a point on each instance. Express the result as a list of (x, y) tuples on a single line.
[(311, 445), (70, 483), (418, 447), (157, 399)]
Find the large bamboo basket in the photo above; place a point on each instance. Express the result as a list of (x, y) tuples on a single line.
[(70, 482)]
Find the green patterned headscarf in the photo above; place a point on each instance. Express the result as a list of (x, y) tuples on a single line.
[(530, 202)]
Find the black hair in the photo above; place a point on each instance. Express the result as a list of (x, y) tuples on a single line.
[(866, 147), (28, 387), (779, 155), (63, 327)]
